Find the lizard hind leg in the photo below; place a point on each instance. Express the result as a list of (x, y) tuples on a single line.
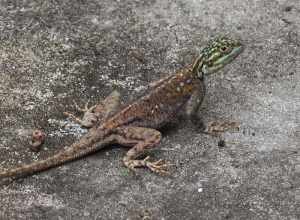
[(142, 139)]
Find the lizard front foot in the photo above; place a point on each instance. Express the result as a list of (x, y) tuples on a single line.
[(89, 117), (159, 166)]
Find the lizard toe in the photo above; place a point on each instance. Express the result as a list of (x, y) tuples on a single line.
[(159, 167)]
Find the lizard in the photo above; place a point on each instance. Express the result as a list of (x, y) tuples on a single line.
[(136, 125)]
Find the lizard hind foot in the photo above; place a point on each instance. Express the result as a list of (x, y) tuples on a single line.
[(159, 167)]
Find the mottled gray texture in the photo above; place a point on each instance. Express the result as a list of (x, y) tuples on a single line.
[(54, 52)]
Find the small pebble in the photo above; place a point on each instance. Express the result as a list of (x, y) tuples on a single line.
[(37, 139)]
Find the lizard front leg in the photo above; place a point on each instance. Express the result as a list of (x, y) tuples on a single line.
[(194, 103), (97, 113), (142, 139), (89, 117)]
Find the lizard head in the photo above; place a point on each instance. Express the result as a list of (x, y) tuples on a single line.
[(217, 54)]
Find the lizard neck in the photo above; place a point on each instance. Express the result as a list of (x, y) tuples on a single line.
[(197, 67)]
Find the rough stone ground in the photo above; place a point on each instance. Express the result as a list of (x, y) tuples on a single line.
[(56, 51)]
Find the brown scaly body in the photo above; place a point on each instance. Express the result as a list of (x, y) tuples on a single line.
[(136, 124)]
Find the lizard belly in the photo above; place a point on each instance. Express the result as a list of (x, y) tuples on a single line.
[(160, 113)]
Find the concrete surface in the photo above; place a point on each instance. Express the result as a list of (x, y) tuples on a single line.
[(53, 52)]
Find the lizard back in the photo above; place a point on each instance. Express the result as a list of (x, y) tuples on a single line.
[(161, 104)]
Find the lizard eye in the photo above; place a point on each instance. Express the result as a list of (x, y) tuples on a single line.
[(224, 48)]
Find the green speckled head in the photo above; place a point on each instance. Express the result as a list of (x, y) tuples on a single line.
[(218, 53)]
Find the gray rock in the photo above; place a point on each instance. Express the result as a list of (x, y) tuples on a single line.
[(54, 52)]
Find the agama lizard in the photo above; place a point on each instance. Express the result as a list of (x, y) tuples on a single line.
[(135, 125)]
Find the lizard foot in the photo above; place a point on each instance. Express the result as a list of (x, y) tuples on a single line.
[(89, 118), (159, 166), (86, 108)]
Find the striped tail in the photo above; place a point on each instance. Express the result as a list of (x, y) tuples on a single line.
[(77, 150)]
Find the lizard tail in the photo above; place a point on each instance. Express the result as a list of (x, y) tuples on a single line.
[(75, 151), (28, 169)]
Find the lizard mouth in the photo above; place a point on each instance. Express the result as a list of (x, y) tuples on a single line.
[(229, 57)]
